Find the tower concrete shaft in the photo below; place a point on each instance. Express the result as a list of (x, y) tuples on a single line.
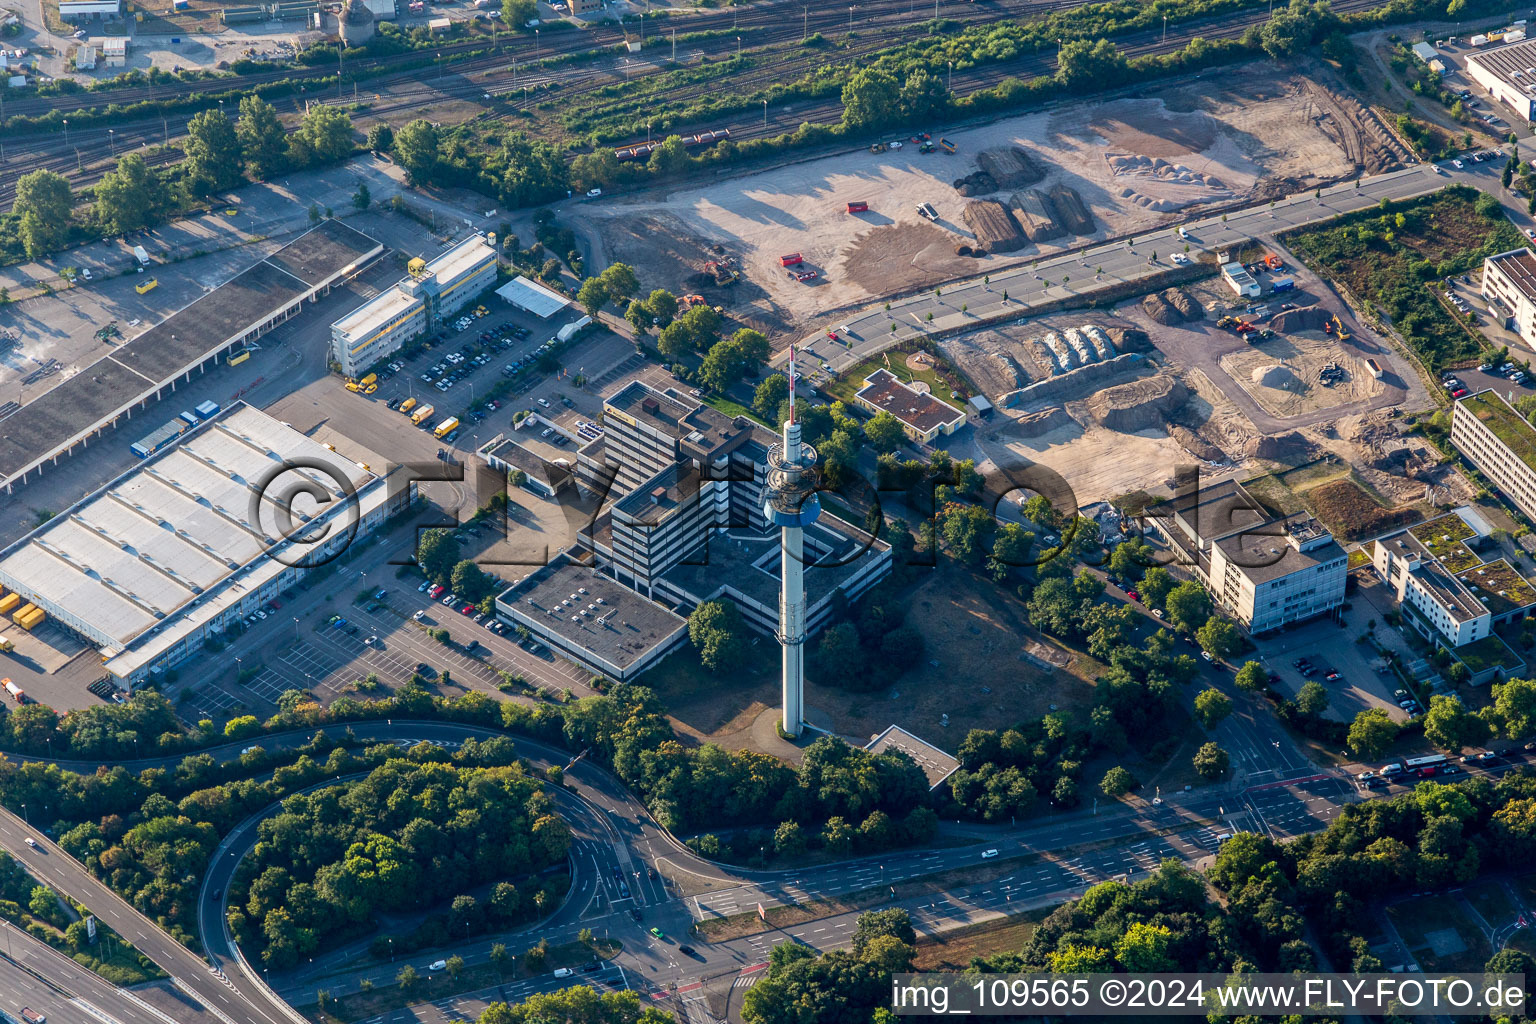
[(792, 505)]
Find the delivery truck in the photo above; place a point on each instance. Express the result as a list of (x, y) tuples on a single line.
[(447, 427), (421, 414), (17, 693), (407, 405)]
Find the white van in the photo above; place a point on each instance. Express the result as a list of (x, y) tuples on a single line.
[(563, 972)]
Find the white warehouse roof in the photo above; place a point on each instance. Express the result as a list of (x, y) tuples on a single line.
[(148, 544), (526, 294)]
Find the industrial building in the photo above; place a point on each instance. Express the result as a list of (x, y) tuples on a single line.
[(77, 11), (532, 297), (198, 537), (923, 417), (1500, 442), (507, 455), (683, 489), (1509, 75), (434, 291), (124, 382), (1509, 285), (1265, 571)]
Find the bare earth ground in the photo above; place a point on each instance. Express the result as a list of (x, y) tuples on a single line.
[(1282, 374), (1255, 132)]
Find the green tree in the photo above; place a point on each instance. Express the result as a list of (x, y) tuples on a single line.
[(470, 582), (407, 977), (593, 296), (1156, 583), (130, 197), (1211, 706), (324, 136), (789, 839), (716, 630), (42, 207), (517, 13), (923, 96), (1098, 65), (362, 198), (1251, 677), (1211, 762), (838, 652), (1450, 726), (437, 552), (1116, 782), (417, 149), (1218, 636), (263, 140), (380, 138), (771, 393), (1130, 559), (894, 922), (620, 280), (884, 432), (871, 99), (454, 966), (212, 153), (1289, 30), (639, 318), (1514, 707), (1187, 606), (1144, 948), (662, 306), (1312, 699), (1371, 733)]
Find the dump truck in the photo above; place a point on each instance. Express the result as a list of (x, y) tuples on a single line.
[(447, 427), (9, 602), (420, 415), (17, 693), (407, 405), (946, 145), (1272, 261)]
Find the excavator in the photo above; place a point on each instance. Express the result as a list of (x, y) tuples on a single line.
[(1338, 329)]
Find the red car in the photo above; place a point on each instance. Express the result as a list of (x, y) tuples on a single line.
[(434, 591), (832, 335), (468, 609), (1133, 595), (1459, 393)]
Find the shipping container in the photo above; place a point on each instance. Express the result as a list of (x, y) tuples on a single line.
[(23, 611), (31, 620), (145, 286), (188, 417), (9, 602), (207, 410), (236, 358), (1282, 284), (170, 431)]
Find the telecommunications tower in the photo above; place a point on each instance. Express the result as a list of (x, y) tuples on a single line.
[(792, 505)]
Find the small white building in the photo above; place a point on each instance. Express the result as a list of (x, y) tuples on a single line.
[(114, 52), (1240, 281), (1424, 52), (85, 57), (527, 294)]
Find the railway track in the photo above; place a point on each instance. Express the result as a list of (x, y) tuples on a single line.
[(496, 76)]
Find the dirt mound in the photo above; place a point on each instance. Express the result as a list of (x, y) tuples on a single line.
[(1033, 424), (978, 184), (1180, 300), (1291, 447), (1196, 445), (1129, 339), (1074, 213), (1308, 318), (1010, 167), (993, 225), (1036, 214), (985, 359), (1161, 310), (1138, 405), (1276, 376)]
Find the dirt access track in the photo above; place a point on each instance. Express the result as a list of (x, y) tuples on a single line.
[(1138, 163)]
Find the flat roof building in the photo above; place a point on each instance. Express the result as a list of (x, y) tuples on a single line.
[(1509, 285), (1500, 442), (936, 764), (124, 382), (1507, 73), (1266, 571), (90, 10), (529, 295), (922, 416), (194, 539), (1240, 281), (436, 289), (544, 478)]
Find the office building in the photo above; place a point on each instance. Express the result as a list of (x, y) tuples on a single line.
[(1498, 440), (923, 417), (1263, 570), (1509, 285), (433, 292)]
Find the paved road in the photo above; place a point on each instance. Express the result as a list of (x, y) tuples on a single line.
[(1110, 263)]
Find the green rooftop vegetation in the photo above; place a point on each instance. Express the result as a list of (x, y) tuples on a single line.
[(1490, 651), (1457, 557), (1441, 532), (1499, 587), (1507, 424)]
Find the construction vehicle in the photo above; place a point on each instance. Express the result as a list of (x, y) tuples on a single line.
[(878, 147), (1273, 262), (804, 275), (946, 145), (1227, 322), (927, 210), (1338, 328), (446, 427), (407, 405), (1244, 327), (693, 300), (926, 147), (17, 693), (421, 414)]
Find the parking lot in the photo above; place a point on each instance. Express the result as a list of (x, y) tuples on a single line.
[(1363, 678)]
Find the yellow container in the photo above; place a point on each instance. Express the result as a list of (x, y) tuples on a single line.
[(9, 602), (22, 612)]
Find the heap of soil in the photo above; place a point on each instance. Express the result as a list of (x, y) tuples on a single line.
[(1037, 215), (1129, 339), (1196, 445), (1161, 310), (1034, 424), (1139, 404), (1180, 300), (1010, 167), (994, 227), (1276, 376), (1308, 318), (1072, 210), (978, 184), (1290, 448)]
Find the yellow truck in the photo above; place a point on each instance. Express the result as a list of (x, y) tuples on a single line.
[(420, 415), (447, 427), (6, 645), (407, 405)]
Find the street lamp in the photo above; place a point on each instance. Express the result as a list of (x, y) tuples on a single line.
[(850, 17), (112, 140), (66, 131)]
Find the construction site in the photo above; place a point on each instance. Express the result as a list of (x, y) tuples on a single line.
[(867, 225)]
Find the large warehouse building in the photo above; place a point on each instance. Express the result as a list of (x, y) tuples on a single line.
[(682, 524), (191, 340), (434, 291), (192, 541), (1509, 75)]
